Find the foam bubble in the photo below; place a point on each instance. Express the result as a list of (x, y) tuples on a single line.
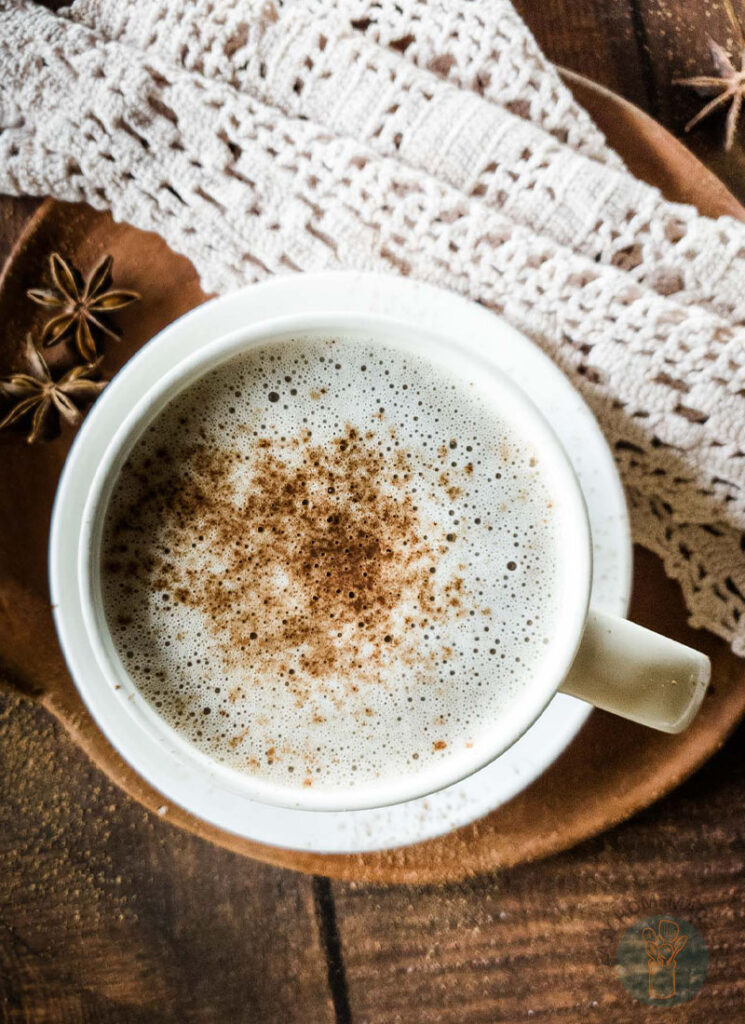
[(329, 562)]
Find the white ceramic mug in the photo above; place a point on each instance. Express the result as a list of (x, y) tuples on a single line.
[(607, 661)]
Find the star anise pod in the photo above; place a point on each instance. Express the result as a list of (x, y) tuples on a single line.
[(36, 393), (83, 304), (726, 86)]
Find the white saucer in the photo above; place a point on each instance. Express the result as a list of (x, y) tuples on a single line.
[(446, 314)]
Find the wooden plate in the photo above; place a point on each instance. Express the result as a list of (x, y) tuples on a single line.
[(611, 770)]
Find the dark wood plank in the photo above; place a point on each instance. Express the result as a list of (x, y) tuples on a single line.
[(108, 915), (676, 43), (596, 38), (539, 942)]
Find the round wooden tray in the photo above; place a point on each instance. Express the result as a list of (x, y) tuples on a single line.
[(612, 768)]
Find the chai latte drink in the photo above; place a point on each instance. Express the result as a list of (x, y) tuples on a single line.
[(328, 562)]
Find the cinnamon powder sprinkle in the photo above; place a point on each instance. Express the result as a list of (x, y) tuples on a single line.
[(324, 546)]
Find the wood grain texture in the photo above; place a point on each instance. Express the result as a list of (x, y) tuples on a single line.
[(107, 914), (596, 38), (539, 942), (637, 48)]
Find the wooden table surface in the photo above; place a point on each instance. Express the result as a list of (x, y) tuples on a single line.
[(110, 915)]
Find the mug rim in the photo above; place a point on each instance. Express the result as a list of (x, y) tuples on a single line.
[(147, 407)]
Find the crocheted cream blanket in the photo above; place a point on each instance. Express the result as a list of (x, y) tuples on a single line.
[(428, 138)]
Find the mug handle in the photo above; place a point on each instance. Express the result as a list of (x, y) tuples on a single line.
[(638, 674)]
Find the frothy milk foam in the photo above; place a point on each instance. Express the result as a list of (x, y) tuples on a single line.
[(329, 562)]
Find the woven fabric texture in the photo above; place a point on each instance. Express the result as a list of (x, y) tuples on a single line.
[(427, 139)]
